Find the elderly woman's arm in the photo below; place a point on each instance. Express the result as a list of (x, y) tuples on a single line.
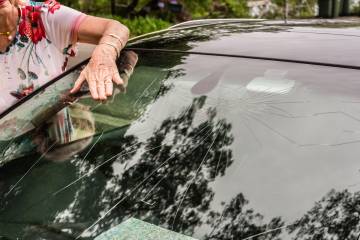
[(101, 72)]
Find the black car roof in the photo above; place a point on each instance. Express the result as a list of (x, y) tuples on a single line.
[(330, 44)]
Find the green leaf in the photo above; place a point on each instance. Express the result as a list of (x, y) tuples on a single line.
[(33, 75), (21, 74), (24, 39), (19, 44)]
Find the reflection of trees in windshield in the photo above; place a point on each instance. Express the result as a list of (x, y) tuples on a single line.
[(335, 216), (238, 222), (178, 163), (165, 180), (168, 185), (186, 39)]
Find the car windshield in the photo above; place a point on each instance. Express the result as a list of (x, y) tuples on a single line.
[(207, 146)]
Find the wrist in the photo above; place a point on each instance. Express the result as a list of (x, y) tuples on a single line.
[(109, 50)]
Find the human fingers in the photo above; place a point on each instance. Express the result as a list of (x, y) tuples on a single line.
[(117, 79), (109, 87), (78, 83), (93, 88), (100, 86)]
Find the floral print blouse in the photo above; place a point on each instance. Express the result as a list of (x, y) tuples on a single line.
[(44, 40)]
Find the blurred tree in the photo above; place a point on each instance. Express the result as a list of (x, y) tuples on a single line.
[(216, 8), (336, 216), (113, 7), (168, 10), (181, 10), (296, 8), (237, 222)]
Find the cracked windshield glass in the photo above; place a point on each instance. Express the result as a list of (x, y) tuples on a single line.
[(207, 146)]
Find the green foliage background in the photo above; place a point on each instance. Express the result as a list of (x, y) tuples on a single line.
[(192, 9), (219, 8), (140, 21), (297, 8), (196, 8), (142, 25)]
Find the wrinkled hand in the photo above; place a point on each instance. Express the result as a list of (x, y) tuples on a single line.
[(100, 73)]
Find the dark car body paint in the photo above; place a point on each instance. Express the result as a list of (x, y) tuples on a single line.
[(261, 40)]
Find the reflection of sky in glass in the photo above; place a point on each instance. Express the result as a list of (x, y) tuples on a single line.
[(281, 134), (294, 44), (291, 136)]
